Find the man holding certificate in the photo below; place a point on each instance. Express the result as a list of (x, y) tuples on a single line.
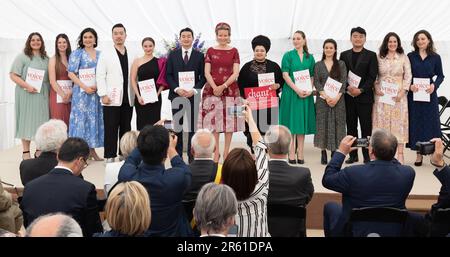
[(114, 88), (362, 66), (390, 110), (185, 75), (259, 82)]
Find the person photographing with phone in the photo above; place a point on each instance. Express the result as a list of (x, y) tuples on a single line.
[(382, 182)]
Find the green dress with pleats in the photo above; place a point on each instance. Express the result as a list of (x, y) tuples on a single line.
[(32, 110), (298, 114)]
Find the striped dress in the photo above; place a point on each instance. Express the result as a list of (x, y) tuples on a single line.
[(251, 217)]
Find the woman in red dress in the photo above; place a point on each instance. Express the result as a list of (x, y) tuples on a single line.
[(221, 92), (57, 71)]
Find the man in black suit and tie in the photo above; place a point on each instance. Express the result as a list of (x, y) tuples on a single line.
[(61, 190), (180, 65), (359, 98), (290, 185)]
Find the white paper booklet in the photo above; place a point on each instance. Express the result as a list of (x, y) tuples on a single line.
[(148, 92), (266, 79), (332, 87), (421, 95), (186, 80), (389, 90), (87, 77), (66, 87), (35, 78), (303, 80)]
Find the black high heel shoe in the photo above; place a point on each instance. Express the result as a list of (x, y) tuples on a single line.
[(418, 164), (292, 161), (324, 160)]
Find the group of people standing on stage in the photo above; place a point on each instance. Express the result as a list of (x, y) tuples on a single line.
[(107, 84)]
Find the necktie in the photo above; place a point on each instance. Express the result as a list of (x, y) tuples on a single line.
[(186, 58)]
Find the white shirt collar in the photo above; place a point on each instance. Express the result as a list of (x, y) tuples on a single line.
[(203, 159), (216, 235), (183, 50), (64, 168), (277, 159)]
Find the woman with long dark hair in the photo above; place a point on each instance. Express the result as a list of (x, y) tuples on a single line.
[(30, 73), (61, 85), (86, 116), (393, 68), (424, 116), (330, 108)]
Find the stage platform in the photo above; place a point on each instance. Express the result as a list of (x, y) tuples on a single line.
[(423, 194)]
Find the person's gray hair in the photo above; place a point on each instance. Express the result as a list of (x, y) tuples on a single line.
[(278, 139), (384, 144), (51, 135), (203, 151), (215, 204), (68, 226), (128, 143)]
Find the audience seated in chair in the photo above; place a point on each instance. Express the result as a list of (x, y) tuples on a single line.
[(166, 187), (11, 218), (203, 168), (382, 182), (127, 210), (215, 210), (54, 225), (249, 179), (286, 220), (49, 138), (128, 143), (289, 185), (61, 190)]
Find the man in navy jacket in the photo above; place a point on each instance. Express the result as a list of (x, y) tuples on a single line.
[(185, 59), (382, 182)]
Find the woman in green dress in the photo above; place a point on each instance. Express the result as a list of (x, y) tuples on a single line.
[(297, 106), (31, 104)]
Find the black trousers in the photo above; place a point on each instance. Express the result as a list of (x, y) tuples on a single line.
[(180, 107), (117, 122), (363, 112)]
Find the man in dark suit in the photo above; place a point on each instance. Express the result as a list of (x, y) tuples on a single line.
[(165, 187), (442, 173), (288, 184), (61, 190), (383, 182), (49, 138), (185, 59), (359, 99)]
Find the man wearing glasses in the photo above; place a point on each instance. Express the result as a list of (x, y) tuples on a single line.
[(62, 190)]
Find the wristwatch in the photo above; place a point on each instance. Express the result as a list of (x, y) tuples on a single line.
[(438, 166)]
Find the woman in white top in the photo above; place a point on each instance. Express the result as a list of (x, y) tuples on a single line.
[(250, 181), (127, 144)]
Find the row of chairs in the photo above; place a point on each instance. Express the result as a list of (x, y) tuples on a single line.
[(444, 116), (290, 221)]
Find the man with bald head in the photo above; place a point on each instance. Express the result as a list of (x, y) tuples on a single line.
[(54, 225), (203, 167)]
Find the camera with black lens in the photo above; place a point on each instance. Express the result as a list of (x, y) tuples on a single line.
[(361, 142), (425, 148)]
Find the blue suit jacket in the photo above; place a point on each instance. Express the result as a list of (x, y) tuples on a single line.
[(444, 195), (176, 64), (166, 189), (374, 184)]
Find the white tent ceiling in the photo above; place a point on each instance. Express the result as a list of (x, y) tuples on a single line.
[(278, 19), (161, 19)]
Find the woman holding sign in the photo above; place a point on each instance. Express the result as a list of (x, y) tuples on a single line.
[(86, 116), (146, 79), (329, 76), (390, 109), (258, 74), (426, 67), (30, 73), (61, 85), (297, 103)]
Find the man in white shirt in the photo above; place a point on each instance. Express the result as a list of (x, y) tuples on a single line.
[(114, 88)]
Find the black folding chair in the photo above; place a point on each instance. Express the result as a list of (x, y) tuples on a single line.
[(384, 221), (286, 221), (440, 223), (445, 122)]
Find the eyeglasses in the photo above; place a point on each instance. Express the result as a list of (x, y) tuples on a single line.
[(85, 163)]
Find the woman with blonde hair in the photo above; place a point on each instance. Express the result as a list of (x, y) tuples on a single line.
[(127, 210)]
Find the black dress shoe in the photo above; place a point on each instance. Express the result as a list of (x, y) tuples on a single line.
[(366, 160), (324, 160), (351, 160), (292, 162), (418, 164), (300, 161)]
